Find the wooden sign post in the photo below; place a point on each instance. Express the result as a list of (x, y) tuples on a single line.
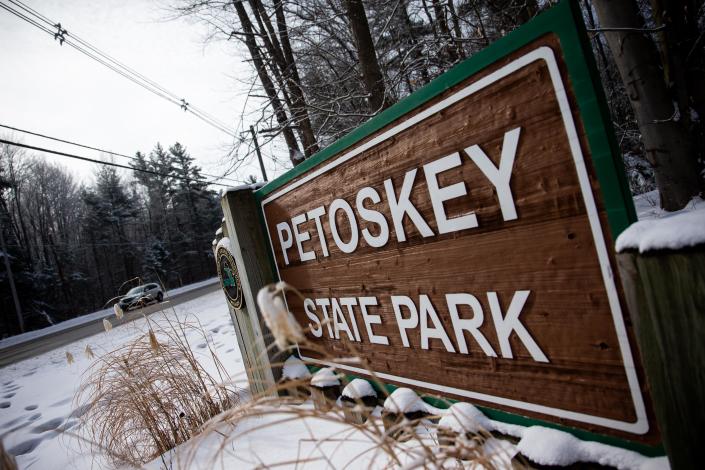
[(241, 277), (462, 240)]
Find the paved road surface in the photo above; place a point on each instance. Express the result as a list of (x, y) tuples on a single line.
[(35, 346)]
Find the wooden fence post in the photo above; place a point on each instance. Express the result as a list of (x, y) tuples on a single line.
[(665, 292), (249, 248)]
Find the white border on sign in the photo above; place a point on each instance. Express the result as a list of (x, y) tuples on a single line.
[(641, 425)]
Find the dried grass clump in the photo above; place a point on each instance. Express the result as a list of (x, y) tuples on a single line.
[(150, 395), (324, 431)]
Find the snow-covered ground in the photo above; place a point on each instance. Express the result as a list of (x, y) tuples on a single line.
[(36, 395), (36, 401)]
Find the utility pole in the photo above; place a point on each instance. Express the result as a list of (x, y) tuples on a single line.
[(259, 154), (6, 257)]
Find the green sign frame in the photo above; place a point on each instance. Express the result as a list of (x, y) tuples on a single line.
[(566, 22)]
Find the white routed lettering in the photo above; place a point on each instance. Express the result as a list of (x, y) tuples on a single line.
[(405, 323), (315, 215), (401, 206), (505, 325), (349, 302), (440, 195), (324, 303), (371, 319), (335, 206), (500, 177), (427, 311), (301, 237), (472, 325), (282, 228), (372, 216), (339, 323), (310, 309)]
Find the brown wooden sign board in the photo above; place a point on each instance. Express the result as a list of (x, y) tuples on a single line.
[(464, 249)]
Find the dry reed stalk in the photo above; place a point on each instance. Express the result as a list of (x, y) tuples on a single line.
[(118, 311), (420, 450), (150, 395)]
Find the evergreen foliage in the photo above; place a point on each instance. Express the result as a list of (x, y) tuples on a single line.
[(72, 248)]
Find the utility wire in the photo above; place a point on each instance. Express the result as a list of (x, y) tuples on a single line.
[(98, 149), (113, 64), (118, 165), (172, 97)]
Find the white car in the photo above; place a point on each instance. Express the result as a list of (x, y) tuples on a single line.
[(141, 296)]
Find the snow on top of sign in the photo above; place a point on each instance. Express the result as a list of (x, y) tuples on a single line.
[(404, 400), (294, 369), (547, 446), (464, 417), (359, 388), (325, 378), (252, 187), (660, 230), (225, 243)]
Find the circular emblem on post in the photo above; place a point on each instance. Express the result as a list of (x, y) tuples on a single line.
[(229, 278)]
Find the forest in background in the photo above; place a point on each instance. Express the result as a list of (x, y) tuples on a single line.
[(74, 246), (320, 68), (323, 67)]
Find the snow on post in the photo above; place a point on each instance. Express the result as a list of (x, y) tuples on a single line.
[(325, 388)]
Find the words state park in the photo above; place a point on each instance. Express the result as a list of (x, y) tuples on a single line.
[(355, 317)]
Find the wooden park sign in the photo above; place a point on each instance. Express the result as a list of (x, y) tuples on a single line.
[(462, 240)]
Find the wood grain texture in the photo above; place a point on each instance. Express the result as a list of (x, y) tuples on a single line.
[(548, 250), (250, 253), (666, 292)]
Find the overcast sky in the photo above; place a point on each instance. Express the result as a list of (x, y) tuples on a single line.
[(55, 90)]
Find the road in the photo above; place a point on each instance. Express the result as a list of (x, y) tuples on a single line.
[(32, 347)]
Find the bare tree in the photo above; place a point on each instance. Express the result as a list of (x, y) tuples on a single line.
[(668, 145), (371, 72)]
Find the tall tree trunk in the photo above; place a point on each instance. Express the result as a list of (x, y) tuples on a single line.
[(284, 69), (442, 22), (456, 29), (300, 107), (371, 72), (682, 47), (279, 112), (668, 145)]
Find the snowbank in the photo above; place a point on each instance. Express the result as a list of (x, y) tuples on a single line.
[(660, 230)]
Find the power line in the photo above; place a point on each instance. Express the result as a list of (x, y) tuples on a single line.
[(118, 165), (113, 64), (44, 136), (118, 66)]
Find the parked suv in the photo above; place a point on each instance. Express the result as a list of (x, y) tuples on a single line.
[(140, 296)]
